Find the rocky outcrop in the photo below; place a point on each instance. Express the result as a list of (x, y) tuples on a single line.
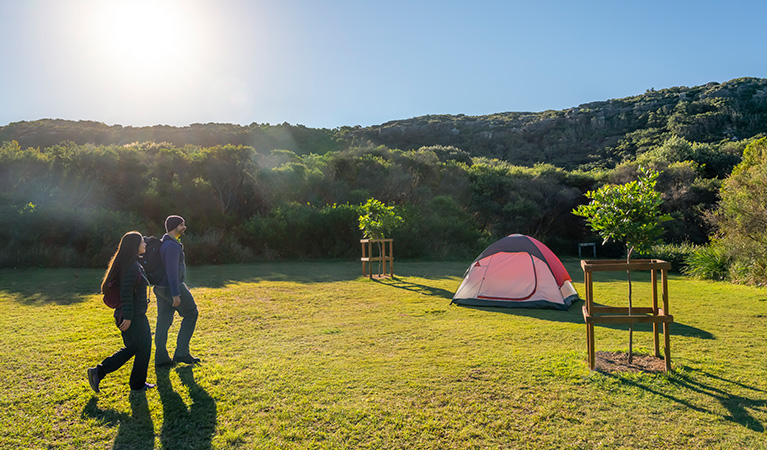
[(591, 132)]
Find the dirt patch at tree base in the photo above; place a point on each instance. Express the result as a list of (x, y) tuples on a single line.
[(376, 276), (611, 362)]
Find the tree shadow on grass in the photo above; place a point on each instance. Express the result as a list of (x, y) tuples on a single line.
[(32, 287), (575, 315), (69, 286), (39, 287), (185, 427), (311, 272), (739, 405), (299, 272), (423, 289), (433, 270), (136, 430)]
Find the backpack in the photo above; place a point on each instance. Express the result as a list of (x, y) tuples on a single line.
[(112, 294), (151, 261)]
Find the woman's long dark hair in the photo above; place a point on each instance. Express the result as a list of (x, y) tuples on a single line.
[(126, 253)]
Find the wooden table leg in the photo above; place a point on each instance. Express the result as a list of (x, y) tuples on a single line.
[(592, 353), (655, 328), (588, 346), (667, 343)]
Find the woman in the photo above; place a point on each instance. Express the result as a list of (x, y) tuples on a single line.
[(130, 317)]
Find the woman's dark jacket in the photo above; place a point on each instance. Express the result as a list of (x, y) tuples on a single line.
[(133, 298)]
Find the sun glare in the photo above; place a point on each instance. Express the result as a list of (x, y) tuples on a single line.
[(148, 43), (143, 58), (144, 32)]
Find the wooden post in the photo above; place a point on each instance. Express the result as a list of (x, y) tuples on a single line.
[(391, 258), (592, 349), (654, 281), (588, 309), (365, 256), (592, 345), (666, 325)]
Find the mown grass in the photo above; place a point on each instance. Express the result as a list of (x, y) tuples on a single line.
[(311, 355)]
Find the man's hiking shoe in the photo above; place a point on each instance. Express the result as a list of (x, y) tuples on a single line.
[(167, 363), (93, 378), (188, 359)]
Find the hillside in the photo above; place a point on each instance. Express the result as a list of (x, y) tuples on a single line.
[(598, 133), (601, 133), (262, 137)]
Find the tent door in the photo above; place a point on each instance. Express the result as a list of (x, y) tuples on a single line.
[(509, 276)]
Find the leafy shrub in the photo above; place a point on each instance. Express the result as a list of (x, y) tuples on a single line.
[(708, 262), (676, 254), (746, 271), (741, 218)]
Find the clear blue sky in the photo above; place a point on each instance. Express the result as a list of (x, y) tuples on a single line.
[(350, 62)]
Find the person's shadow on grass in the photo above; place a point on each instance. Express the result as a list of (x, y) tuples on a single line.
[(185, 427), (136, 430)]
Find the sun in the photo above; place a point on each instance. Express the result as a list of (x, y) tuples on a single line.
[(146, 42), (143, 58), (144, 32)]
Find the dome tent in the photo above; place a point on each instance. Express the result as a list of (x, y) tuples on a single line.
[(517, 272)]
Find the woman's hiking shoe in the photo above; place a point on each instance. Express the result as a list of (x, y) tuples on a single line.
[(93, 378), (147, 386)]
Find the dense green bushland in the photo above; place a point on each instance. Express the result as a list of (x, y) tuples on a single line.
[(297, 138), (67, 204)]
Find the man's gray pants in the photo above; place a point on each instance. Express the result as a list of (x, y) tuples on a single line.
[(187, 309)]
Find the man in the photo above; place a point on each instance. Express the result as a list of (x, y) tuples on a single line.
[(173, 295)]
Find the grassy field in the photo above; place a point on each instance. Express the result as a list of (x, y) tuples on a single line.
[(311, 355)]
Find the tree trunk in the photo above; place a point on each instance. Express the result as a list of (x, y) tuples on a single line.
[(380, 253)]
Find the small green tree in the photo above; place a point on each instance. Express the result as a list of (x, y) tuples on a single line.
[(628, 213), (741, 216), (376, 220)]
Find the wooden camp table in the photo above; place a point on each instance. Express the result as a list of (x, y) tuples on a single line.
[(596, 314)]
